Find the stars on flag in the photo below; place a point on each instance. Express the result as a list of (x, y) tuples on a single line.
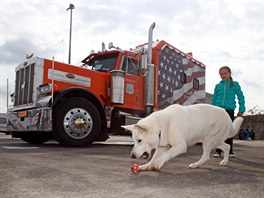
[(170, 68)]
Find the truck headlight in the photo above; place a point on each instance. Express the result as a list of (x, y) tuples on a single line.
[(44, 89)]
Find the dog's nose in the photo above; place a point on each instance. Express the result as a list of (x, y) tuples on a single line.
[(132, 156)]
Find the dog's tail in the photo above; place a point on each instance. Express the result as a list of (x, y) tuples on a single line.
[(236, 125)]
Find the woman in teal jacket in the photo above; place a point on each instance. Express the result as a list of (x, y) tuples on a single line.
[(224, 96)]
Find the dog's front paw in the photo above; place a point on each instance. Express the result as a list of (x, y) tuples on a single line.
[(193, 165), (143, 167), (223, 163), (147, 167), (157, 165)]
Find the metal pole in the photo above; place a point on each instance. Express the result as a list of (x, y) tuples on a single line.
[(71, 7), (7, 93), (52, 82), (69, 60)]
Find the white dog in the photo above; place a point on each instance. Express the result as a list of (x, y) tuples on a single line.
[(170, 131)]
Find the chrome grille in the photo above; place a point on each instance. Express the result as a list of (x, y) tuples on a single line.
[(24, 85)]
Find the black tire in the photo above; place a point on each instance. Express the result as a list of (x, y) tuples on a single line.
[(36, 137), (76, 123)]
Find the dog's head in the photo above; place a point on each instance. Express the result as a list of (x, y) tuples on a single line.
[(145, 139)]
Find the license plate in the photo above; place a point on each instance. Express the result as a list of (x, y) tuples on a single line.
[(22, 114)]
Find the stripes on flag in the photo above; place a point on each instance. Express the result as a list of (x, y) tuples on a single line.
[(173, 89)]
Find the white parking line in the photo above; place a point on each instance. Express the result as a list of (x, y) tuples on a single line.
[(19, 147), (115, 143)]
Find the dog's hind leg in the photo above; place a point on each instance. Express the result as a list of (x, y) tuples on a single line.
[(225, 148), (207, 148)]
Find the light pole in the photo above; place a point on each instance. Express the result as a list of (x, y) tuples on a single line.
[(71, 7)]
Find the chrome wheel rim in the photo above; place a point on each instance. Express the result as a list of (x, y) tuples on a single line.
[(78, 123)]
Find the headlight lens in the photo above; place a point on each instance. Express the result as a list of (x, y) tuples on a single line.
[(44, 89)]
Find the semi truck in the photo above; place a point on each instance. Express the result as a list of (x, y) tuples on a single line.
[(77, 105)]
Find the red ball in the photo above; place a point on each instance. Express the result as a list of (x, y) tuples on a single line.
[(135, 168)]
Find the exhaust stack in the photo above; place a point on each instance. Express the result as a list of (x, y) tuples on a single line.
[(151, 28), (150, 74)]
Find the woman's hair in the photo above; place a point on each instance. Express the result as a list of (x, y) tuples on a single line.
[(229, 70)]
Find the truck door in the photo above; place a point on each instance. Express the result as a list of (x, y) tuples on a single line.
[(134, 84)]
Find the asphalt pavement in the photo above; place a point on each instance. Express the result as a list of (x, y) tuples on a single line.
[(103, 170)]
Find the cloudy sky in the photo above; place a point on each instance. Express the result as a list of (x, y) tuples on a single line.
[(217, 32)]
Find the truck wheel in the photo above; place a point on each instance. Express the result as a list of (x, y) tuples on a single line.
[(76, 123), (36, 137)]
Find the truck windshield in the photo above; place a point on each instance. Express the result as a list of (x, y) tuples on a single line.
[(103, 63)]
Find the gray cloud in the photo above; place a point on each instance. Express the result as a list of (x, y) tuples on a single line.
[(14, 51)]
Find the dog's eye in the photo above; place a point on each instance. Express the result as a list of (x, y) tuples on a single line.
[(139, 141)]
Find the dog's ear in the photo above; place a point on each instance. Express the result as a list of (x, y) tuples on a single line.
[(141, 127), (131, 127), (128, 127)]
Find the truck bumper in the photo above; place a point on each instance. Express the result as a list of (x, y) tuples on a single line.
[(29, 120)]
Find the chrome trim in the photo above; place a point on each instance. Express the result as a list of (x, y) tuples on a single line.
[(149, 83), (117, 86), (150, 42), (32, 81), (36, 120), (43, 101), (78, 123), (52, 82), (61, 76)]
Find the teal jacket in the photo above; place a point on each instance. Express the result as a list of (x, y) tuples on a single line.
[(224, 96)]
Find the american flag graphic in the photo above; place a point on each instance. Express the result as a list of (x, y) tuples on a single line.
[(180, 79)]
